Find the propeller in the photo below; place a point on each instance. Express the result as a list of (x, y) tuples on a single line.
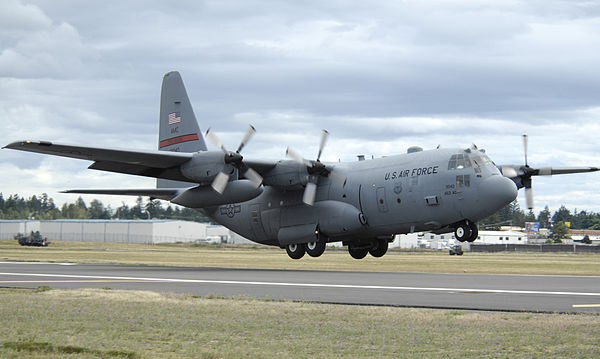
[(524, 173), (235, 159), (315, 170)]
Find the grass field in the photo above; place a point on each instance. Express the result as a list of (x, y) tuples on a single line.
[(132, 324), (270, 257), (100, 323)]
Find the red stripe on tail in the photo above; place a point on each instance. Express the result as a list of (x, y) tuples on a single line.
[(178, 139)]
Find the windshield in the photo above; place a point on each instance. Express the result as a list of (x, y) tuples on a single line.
[(459, 161), (480, 159)]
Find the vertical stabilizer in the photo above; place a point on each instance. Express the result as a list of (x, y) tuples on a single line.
[(178, 128)]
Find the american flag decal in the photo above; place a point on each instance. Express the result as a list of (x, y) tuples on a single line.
[(174, 118)]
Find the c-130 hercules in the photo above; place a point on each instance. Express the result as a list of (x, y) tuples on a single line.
[(301, 204)]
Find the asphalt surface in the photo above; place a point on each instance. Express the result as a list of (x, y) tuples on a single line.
[(451, 291)]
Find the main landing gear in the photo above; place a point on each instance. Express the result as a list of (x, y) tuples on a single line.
[(377, 248), (466, 231), (313, 249)]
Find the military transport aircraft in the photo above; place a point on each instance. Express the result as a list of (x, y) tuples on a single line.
[(301, 204)]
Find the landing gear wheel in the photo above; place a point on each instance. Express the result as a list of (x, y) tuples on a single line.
[(295, 251), (379, 248), (358, 253), (315, 249), (462, 232), (474, 232)]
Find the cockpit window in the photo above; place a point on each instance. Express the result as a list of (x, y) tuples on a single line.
[(458, 162), (480, 159)]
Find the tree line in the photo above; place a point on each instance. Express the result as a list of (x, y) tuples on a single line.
[(43, 207), (513, 215)]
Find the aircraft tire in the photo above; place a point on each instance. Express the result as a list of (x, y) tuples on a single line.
[(462, 232), (295, 251), (380, 248), (474, 232), (316, 248), (357, 253)]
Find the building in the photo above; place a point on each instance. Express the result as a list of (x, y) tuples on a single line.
[(444, 241), (9, 228), (119, 231), (502, 237), (578, 234)]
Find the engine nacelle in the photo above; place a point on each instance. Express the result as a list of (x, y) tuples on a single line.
[(204, 166), (205, 196), (287, 175)]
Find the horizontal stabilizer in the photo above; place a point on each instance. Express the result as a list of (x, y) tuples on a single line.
[(161, 193)]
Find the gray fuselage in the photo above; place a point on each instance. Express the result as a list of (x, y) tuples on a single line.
[(413, 192)]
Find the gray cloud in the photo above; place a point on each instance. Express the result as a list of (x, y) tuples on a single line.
[(379, 76)]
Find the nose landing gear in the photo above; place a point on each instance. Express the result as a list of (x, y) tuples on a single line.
[(466, 231)]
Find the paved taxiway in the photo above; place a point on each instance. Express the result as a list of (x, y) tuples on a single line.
[(462, 291)]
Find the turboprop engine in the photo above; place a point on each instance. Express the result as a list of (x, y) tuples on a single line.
[(205, 166)]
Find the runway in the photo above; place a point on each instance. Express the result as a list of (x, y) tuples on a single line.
[(424, 290)]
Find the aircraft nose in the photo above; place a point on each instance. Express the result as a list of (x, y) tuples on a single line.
[(497, 191)]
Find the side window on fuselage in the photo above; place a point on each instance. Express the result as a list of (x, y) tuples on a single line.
[(463, 181)]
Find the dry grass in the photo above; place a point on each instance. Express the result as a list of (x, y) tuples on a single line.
[(270, 258), (151, 325)]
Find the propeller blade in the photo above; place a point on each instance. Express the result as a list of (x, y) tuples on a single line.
[(253, 176), (509, 172), (212, 137), (324, 136), (296, 156), (525, 145), (249, 133), (310, 193), (529, 197), (337, 178), (220, 182)]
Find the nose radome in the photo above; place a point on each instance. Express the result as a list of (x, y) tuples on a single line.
[(497, 191)]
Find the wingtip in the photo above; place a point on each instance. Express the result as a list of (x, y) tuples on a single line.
[(17, 144)]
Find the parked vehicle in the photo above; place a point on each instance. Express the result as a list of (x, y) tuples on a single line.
[(456, 249), (34, 239)]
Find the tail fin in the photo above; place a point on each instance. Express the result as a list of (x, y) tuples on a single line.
[(178, 128)]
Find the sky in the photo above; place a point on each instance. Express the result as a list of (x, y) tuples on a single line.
[(380, 76)]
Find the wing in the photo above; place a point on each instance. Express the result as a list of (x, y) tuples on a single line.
[(513, 171), (569, 170), (157, 164)]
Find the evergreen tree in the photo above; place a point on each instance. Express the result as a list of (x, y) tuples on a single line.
[(559, 232), (562, 215), (544, 218), (586, 240), (97, 210)]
